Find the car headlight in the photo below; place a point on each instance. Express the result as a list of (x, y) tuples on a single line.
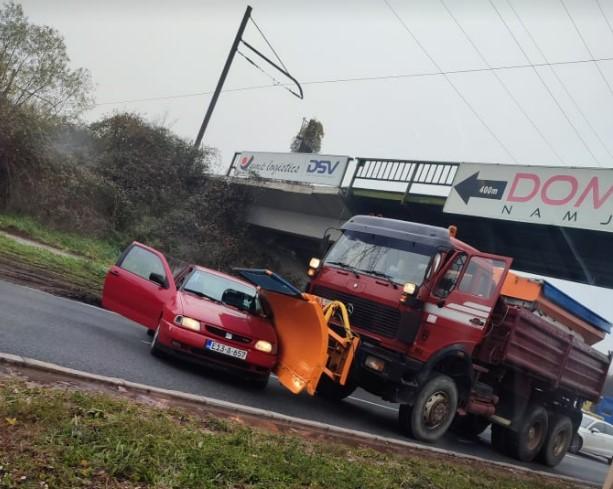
[(264, 346), (188, 323)]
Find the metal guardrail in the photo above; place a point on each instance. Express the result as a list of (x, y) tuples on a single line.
[(425, 173)]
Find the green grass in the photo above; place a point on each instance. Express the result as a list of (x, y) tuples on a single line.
[(80, 277), (73, 243), (71, 277), (66, 438)]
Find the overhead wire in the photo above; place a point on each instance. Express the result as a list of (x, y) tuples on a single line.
[(542, 80), (268, 42), (559, 78), (275, 82), (502, 83), (587, 48), (606, 19), (360, 79), (450, 82)]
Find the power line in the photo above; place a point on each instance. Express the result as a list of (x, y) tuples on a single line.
[(275, 82), (604, 78), (536, 72), (268, 42), (457, 91), (606, 19), (501, 82), (560, 80), (361, 79)]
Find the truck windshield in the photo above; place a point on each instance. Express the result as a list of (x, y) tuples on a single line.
[(398, 260)]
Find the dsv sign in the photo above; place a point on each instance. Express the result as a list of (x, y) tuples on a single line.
[(291, 167), (322, 166)]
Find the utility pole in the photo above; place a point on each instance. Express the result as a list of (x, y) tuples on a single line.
[(222, 78)]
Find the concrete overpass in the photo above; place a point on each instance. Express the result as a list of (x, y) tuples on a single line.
[(299, 213)]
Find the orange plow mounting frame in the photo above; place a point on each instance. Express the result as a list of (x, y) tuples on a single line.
[(308, 346)]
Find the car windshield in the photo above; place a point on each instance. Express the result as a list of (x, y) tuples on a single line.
[(222, 289), (395, 259)]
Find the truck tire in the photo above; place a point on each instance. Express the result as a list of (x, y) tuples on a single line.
[(332, 391), (525, 443), (469, 426), (558, 439), (433, 410)]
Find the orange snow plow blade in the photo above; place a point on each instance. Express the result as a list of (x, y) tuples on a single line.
[(308, 346)]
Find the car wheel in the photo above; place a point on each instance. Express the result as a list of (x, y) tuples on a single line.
[(433, 411), (155, 349)]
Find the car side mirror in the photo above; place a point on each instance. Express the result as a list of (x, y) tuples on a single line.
[(159, 279), (594, 431)]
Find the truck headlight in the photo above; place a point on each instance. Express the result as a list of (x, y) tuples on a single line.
[(264, 346), (314, 264), (188, 323), (409, 288)]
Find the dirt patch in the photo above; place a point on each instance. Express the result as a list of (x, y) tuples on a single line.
[(23, 238)]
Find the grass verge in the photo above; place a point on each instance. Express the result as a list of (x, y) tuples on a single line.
[(71, 277), (94, 249), (61, 438), (78, 277)]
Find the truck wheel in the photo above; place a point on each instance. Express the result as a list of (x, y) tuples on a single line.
[(557, 442), (469, 426), (332, 391), (525, 443), (433, 411)]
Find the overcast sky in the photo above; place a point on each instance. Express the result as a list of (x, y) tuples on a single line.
[(169, 52)]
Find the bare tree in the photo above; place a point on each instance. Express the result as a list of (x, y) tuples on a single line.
[(34, 67), (308, 139)]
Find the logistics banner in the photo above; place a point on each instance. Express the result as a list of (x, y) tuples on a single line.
[(570, 197), (293, 167)]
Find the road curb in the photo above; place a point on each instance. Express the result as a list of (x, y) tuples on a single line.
[(232, 408)]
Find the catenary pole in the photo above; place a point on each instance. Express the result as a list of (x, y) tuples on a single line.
[(222, 78)]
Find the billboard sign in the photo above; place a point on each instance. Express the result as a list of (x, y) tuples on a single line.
[(294, 167), (569, 197)]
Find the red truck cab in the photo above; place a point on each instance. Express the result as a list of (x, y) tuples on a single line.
[(401, 282)]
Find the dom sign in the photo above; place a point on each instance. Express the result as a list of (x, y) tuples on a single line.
[(571, 197)]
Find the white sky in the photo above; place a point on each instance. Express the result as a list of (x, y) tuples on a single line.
[(148, 49)]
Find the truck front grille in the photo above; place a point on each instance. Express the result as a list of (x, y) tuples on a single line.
[(367, 315)]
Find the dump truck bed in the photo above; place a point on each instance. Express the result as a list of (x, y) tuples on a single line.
[(558, 359)]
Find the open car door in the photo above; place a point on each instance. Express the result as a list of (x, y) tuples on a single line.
[(139, 285), (308, 347)]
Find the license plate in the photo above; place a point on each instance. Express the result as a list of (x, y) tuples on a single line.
[(225, 349)]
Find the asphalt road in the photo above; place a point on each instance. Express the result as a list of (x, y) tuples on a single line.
[(45, 327)]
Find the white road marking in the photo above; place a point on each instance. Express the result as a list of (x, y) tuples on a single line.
[(146, 342), (372, 403)]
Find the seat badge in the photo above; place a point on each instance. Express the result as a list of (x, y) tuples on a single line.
[(228, 336)]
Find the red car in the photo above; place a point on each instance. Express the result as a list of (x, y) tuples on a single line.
[(203, 314)]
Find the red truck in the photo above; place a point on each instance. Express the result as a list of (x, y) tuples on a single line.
[(458, 340)]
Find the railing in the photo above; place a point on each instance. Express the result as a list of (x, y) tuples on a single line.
[(410, 177)]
